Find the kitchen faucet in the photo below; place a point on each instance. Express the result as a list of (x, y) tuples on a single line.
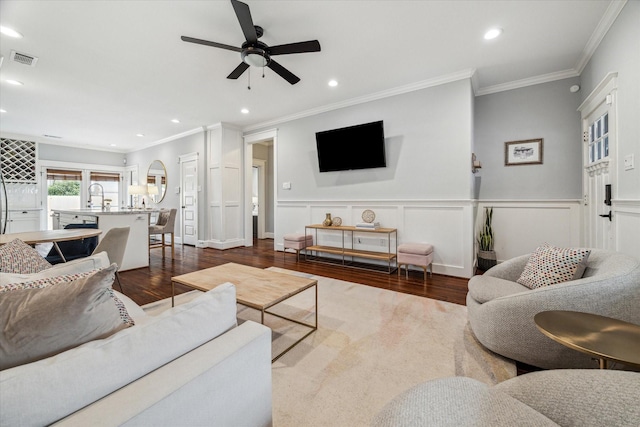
[(100, 194)]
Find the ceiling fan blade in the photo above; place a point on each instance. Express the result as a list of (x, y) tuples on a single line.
[(300, 47), (244, 18), (238, 71), (208, 43), (283, 72)]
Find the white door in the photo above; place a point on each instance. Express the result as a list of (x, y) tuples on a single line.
[(189, 199), (599, 146)]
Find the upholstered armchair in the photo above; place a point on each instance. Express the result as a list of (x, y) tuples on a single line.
[(501, 311)]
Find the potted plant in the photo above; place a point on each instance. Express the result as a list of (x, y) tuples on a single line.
[(486, 254)]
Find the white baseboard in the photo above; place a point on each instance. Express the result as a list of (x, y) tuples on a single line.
[(227, 244)]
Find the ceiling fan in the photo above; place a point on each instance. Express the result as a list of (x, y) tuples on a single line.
[(257, 53)]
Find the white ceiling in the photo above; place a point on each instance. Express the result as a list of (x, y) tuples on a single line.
[(108, 70)]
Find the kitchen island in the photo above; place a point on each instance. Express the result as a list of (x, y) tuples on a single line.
[(136, 254)]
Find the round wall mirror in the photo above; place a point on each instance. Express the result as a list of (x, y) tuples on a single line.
[(156, 181)]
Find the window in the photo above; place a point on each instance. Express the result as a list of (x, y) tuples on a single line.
[(599, 139), (63, 191), (109, 183)]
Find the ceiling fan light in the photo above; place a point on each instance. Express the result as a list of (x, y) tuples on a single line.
[(255, 59)]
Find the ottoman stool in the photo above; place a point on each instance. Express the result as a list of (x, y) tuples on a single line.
[(420, 254), (297, 242)]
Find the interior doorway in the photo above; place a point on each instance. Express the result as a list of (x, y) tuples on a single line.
[(260, 152), (258, 197)]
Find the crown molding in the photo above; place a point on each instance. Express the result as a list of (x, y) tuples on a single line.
[(60, 143), (168, 139), (475, 82), (437, 81), (516, 84), (607, 20)]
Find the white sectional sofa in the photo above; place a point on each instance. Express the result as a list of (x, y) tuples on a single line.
[(188, 365)]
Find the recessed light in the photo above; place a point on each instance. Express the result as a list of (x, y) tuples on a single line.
[(112, 145), (492, 33), (2, 110), (244, 111), (10, 32), (14, 82), (175, 121), (140, 135), (333, 83)]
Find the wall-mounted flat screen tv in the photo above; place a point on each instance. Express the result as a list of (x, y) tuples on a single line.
[(353, 147)]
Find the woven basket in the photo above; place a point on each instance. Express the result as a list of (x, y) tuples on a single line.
[(486, 260)]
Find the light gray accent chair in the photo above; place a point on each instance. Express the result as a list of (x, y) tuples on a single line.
[(564, 397), (114, 244), (501, 311)]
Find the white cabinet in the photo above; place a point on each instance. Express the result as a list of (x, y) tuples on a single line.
[(19, 221)]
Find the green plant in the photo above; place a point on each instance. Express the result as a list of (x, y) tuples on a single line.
[(485, 238), (64, 188)]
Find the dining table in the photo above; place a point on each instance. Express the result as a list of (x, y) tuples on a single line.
[(51, 236)]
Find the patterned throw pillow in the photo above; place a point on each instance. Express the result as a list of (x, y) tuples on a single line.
[(18, 257), (44, 282), (549, 265)]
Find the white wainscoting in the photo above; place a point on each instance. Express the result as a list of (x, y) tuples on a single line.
[(626, 221), (520, 226), (446, 224)]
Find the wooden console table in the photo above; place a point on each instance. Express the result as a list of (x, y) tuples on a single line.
[(348, 251)]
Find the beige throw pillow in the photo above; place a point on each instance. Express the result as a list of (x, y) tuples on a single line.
[(41, 322)]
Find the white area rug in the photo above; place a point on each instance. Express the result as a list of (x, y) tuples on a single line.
[(371, 345)]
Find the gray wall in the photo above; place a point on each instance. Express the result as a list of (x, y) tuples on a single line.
[(427, 135), (620, 51), (168, 153), (547, 111), (61, 153)]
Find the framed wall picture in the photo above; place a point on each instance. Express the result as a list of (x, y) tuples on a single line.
[(526, 152)]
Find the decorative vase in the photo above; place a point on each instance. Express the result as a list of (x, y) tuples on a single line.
[(327, 221), (486, 260)]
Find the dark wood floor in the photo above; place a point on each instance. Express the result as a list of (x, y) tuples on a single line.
[(146, 285)]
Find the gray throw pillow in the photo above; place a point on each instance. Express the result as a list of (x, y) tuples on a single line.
[(39, 323)]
